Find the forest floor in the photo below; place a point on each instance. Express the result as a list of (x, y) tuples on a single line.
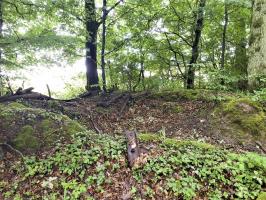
[(176, 115), (188, 153)]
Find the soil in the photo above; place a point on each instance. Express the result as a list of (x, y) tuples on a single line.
[(179, 118)]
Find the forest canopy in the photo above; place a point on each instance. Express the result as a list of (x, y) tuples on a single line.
[(136, 45)]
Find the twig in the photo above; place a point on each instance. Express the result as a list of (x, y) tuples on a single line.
[(108, 103), (12, 149), (49, 91), (93, 124), (128, 97)]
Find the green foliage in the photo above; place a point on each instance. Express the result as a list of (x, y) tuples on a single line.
[(79, 165), (90, 162), (190, 170)]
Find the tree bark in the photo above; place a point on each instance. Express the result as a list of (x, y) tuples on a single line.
[(257, 51), (195, 46), (1, 35), (91, 46), (226, 18), (104, 16), (241, 59)]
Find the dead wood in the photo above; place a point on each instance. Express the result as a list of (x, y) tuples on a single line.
[(97, 130), (94, 126), (132, 147), (126, 101), (4, 147), (106, 104), (20, 91), (261, 146), (49, 91), (32, 95)]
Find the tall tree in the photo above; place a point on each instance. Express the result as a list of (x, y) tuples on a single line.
[(226, 18), (257, 61), (195, 46), (91, 45), (104, 16), (92, 27), (1, 35), (239, 68)]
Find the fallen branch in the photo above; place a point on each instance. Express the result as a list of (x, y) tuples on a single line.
[(92, 122), (127, 99), (33, 95), (20, 91), (108, 103), (94, 126), (261, 146), (8, 148)]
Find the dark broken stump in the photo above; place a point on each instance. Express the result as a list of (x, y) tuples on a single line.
[(133, 151)]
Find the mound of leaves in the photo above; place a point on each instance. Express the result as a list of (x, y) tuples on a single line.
[(95, 167)]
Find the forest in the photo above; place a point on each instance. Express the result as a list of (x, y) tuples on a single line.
[(161, 99)]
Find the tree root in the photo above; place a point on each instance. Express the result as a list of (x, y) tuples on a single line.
[(8, 148)]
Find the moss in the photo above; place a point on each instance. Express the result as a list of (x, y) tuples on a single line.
[(262, 196), (237, 106), (170, 142), (178, 143), (244, 116), (71, 127), (26, 139), (16, 105), (27, 127), (149, 137), (256, 124), (258, 22), (178, 109)]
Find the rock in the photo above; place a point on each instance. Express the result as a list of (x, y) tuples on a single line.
[(262, 196), (243, 119), (30, 130)]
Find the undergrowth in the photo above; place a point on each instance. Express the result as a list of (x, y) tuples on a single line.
[(90, 166)]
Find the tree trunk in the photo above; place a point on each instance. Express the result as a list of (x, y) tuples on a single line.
[(195, 46), (1, 35), (241, 59), (226, 17), (257, 61), (104, 16), (91, 46)]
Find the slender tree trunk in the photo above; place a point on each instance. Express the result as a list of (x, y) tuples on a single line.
[(1, 35), (141, 75), (91, 46), (241, 59), (104, 16), (226, 18), (195, 46)]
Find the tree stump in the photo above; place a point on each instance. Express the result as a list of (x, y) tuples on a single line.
[(133, 151)]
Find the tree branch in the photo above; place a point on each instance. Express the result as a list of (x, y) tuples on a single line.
[(109, 10)]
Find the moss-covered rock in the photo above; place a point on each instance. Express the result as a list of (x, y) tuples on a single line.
[(262, 196), (26, 138), (243, 117), (30, 129)]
